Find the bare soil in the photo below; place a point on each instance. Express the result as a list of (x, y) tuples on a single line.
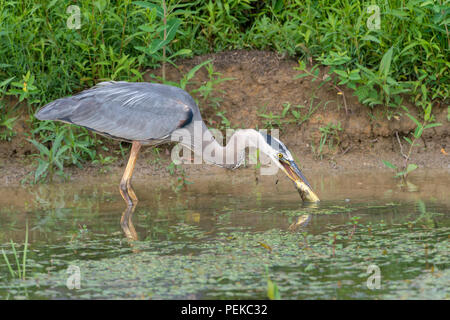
[(262, 83)]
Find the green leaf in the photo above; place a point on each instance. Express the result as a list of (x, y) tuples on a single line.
[(341, 73), (413, 119), (156, 45), (181, 52), (57, 142), (362, 92), (5, 82), (398, 13), (42, 149), (411, 167), (427, 112), (302, 75), (146, 28), (400, 174), (42, 167), (371, 38), (61, 152), (385, 63), (171, 28), (24, 258), (352, 85), (389, 165), (301, 65), (431, 125), (354, 75), (11, 271), (149, 5), (192, 72), (422, 207), (58, 164), (408, 140), (418, 131), (272, 290)]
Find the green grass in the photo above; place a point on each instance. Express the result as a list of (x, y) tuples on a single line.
[(273, 292), (61, 145), (20, 271), (6, 123), (117, 40)]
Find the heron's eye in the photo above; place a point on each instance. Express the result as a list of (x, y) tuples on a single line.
[(280, 156)]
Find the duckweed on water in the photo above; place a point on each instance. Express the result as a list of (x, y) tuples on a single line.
[(233, 265)]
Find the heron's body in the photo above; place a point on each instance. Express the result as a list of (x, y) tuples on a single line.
[(150, 114), (144, 112)]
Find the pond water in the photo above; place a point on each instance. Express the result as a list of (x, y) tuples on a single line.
[(225, 236)]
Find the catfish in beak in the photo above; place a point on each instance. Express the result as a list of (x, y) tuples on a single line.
[(301, 183)]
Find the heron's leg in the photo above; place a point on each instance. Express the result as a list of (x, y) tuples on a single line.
[(125, 184), (131, 192)]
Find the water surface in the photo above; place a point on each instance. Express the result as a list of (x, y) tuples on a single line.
[(217, 238)]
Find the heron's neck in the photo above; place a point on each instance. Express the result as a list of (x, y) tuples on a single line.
[(233, 154), (206, 148)]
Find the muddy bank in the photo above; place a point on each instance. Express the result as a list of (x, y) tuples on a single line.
[(262, 83)]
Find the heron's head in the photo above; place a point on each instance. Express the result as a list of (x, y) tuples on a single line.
[(281, 156)]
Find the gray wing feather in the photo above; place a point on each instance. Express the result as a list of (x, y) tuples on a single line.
[(129, 111)]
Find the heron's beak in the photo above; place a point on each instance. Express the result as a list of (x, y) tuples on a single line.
[(304, 188)]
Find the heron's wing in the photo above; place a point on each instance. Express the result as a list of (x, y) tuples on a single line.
[(129, 111)]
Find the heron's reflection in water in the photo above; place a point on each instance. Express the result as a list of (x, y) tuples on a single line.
[(303, 220), (126, 223)]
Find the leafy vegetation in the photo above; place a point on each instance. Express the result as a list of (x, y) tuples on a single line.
[(329, 136), (407, 167), (181, 177), (59, 145), (115, 40), (6, 123), (291, 114)]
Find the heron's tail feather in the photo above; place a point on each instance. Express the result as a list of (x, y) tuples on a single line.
[(60, 109)]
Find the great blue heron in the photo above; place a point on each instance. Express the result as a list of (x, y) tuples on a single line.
[(150, 114)]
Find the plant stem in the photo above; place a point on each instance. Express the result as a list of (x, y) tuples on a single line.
[(408, 156), (340, 92), (11, 271), (165, 37), (16, 257), (123, 29), (24, 260)]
